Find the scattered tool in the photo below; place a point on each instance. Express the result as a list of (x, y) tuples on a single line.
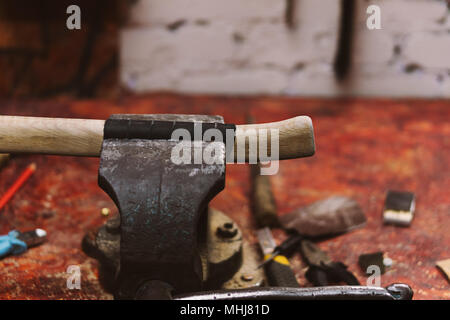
[(84, 137), (278, 270), (263, 202), (17, 184), (330, 216), (322, 270), (374, 259), (286, 248), (444, 266), (264, 207), (16, 242), (396, 291), (399, 208)]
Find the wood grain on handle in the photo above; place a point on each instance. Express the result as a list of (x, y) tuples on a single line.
[(83, 137), (296, 137), (58, 136)]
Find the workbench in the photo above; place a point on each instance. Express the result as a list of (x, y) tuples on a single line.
[(364, 147)]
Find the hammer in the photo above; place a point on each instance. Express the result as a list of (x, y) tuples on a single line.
[(83, 137)]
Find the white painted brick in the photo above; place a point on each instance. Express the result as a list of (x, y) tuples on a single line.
[(372, 46), (150, 81), (318, 80), (398, 85), (245, 48), (430, 50), (142, 80), (445, 88), (189, 48), (244, 81), (147, 12), (317, 15), (271, 44)]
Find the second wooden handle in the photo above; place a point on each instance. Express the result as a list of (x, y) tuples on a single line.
[(295, 138)]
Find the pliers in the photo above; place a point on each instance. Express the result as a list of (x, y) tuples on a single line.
[(16, 242)]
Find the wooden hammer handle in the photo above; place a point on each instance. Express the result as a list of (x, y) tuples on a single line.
[(82, 137), (295, 137)]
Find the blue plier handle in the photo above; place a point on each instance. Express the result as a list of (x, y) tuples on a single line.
[(10, 244)]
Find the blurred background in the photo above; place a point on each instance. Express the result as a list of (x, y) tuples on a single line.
[(265, 47)]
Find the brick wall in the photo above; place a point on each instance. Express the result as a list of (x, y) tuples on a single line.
[(246, 47)]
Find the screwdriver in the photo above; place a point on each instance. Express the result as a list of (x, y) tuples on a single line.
[(278, 269), (286, 248)]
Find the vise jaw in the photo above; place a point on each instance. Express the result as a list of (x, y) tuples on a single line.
[(162, 205)]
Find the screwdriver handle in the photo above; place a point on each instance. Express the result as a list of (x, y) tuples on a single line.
[(279, 272)]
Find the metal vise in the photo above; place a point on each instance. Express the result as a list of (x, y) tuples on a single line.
[(162, 205)]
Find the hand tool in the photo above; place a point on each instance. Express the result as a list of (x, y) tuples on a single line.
[(17, 184), (399, 208), (278, 270), (263, 202), (16, 242), (372, 259), (162, 205), (322, 270), (84, 137), (264, 208), (396, 291), (286, 248), (444, 266), (330, 216)]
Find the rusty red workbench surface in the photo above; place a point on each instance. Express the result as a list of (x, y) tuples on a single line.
[(364, 147)]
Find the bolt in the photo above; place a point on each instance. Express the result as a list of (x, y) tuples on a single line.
[(227, 230)]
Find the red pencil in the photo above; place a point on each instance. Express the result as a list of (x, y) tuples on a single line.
[(19, 182)]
